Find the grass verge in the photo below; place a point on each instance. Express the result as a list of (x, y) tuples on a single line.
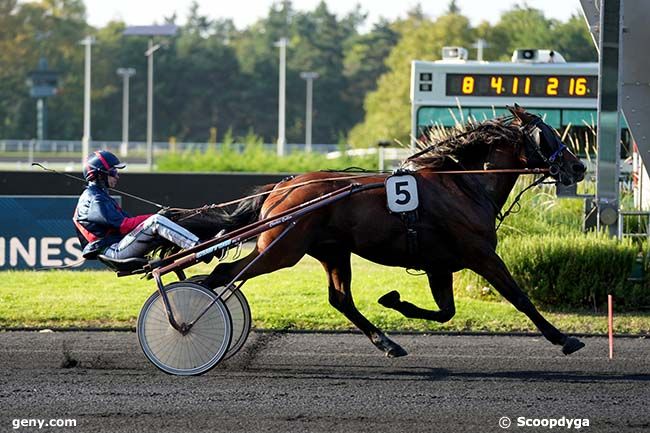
[(294, 298)]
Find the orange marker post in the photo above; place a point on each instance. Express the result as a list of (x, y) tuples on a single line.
[(610, 324)]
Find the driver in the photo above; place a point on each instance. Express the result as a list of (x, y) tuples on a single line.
[(104, 228)]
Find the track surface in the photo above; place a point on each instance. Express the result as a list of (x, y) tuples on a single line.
[(325, 383)]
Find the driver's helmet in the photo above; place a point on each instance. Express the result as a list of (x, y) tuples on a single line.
[(101, 162)]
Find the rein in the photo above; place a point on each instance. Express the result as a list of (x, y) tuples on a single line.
[(503, 215), (500, 216), (361, 176)]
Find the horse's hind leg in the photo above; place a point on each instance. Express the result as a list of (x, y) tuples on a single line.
[(339, 274), (490, 266), (277, 257), (441, 284)]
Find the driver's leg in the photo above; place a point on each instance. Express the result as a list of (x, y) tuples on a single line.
[(149, 235)]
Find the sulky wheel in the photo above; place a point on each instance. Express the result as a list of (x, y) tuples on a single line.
[(240, 314), (202, 347)]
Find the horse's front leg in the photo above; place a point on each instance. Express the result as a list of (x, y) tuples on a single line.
[(441, 284), (339, 274), (490, 266)]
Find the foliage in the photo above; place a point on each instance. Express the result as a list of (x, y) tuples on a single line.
[(256, 158), (576, 270), (212, 75), (387, 109), (556, 264)]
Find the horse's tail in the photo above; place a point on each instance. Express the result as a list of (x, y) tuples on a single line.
[(207, 221), (248, 210)]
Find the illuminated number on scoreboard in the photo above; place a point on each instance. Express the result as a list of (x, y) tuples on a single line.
[(468, 85), (551, 87), (529, 85), (497, 84), (578, 86)]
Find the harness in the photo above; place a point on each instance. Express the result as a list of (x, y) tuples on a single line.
[(404, 201), (531, 132)]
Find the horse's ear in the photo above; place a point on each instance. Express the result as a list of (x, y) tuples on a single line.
[(514, 110), (519, 113)]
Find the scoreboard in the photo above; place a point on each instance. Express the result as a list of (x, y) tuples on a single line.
[(534, 86), (447, 92)]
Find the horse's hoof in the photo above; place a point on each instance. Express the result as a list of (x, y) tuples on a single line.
[(388, 346), (396, 352), (390, 299), (571, 345)]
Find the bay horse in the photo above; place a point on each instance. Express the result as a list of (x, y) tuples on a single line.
[(455, 222)]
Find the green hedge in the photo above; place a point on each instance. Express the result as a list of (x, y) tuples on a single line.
[(569, 270), (255, 158)]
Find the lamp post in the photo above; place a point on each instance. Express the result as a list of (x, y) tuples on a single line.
[(85, 140), (125, 73), (479, 45), (149, 53), (309, 77), (151, 31), (43, 84), (282, 140)]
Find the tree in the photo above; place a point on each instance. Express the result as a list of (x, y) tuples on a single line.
[(573, 41), (519, 28), (388, 107), (365, 62), (49, 28)]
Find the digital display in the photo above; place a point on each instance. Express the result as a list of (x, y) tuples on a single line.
[(535, 86)]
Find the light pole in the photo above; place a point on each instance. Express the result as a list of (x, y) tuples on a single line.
[(85, 140), (125, 73), (479, 45), (309, 77), (149, 53), (151, 31), (282, 140)]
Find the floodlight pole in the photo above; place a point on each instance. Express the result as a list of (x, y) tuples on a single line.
[(309, 77), (480, 45), (125, 73), (282, 140), (85, 140), (149, 53)]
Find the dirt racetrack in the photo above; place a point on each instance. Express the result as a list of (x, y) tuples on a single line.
[(303, 382)]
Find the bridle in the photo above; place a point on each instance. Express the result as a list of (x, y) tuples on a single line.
[(532, 131)]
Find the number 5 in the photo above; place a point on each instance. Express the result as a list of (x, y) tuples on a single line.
[(400, 191)]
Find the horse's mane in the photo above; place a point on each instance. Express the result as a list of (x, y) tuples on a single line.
[(464, 143)]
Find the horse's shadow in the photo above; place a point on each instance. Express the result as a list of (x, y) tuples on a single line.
[(378, 372)]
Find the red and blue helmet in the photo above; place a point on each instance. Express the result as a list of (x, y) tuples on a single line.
[(101, 162)]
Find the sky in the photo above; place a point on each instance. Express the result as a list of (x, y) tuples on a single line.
[(245, 12)]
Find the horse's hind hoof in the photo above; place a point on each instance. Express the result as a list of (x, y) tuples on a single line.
[(390, 299), (571, 345), (386, 345), (396, 352)]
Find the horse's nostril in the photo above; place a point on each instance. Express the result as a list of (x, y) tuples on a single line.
[(579, 168)]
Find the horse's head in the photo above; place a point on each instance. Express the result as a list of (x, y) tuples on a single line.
[(543, 148)]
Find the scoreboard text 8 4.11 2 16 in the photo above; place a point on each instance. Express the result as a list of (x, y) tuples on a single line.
[(538, 86)]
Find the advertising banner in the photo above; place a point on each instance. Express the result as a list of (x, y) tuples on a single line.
[(37, 232)]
